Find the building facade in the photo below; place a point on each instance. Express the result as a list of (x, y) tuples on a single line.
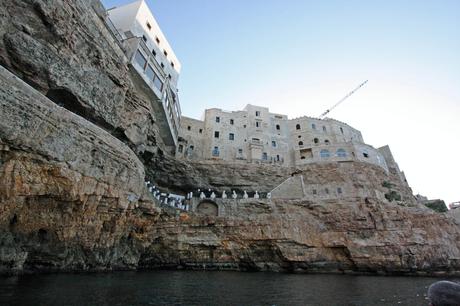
[(255, 135), (154, 66)]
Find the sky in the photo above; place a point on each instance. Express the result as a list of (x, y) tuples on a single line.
[(299, 57)]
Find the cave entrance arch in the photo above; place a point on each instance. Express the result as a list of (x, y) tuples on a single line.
[(208, 208)]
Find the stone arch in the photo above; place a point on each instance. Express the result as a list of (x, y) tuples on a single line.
[(208, 208)]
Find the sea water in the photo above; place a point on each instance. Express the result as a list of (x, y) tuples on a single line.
[(211, 288)]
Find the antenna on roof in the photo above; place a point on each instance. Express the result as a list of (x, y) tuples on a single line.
[(343, 99)]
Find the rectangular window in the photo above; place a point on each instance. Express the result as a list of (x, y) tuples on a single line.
[(162, 65), (158, 84), (149, 26), (172, 64), (201, 131), (216, 134), (257, 124), (240, 151), (165, 53), (181, 148), (157, 40), (189, 128), (231, 136), (264, 156), (215, 152), (231, 121), (150, 73), (257, 113), (274, 144), (339, 190), (144, 38), (217, 119), (314, 191), (140, 60)]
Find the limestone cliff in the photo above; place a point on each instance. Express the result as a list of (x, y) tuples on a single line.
[(77, 140)]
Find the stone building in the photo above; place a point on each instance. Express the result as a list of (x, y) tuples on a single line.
[(254, 135), (154, 66)]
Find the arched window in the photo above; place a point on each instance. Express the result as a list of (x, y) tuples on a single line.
[(325, 154), (316, 140), (324, 129), (297, 127), (300, 143), (341, 153), (326, 141), (313, 126)]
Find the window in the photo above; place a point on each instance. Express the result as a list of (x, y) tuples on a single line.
[(325, 154), (217, 119), (257, 123), (277, 158), (273, 143), (326, 141), (140, 59), (215, 152), (278, 127), (191, 148), (157, 40), (150, 73), (158, 83), (302, 157), (300, 143), (244, 126), (366, 155), (149, 26), (257, 113), (341, 153), (154, 52), (201, 131), (231, 121), (216, 134), (326, 190), (300, 136), (165, 53), (297, 127), (231, 136), (341, 130), (144, 38), (169, 76), (162, 65), (264, 156), (172, 64), (240, 151), (189, 128), (324, 129), (316, 140), (339, 190), (314, 191), (313, 126), (180, 149)]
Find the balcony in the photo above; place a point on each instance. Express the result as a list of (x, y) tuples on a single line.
[(148, 75)]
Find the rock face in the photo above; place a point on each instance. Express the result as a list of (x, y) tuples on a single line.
[(77, 140), (64, 50), (324, 236)]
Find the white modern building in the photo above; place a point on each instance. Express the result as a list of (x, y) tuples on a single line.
[(154, 65)]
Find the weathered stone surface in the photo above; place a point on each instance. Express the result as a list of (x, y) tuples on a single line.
[(64, 50)]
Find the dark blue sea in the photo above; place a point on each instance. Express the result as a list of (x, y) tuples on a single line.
[(211, 288)]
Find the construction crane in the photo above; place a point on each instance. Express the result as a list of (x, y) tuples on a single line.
[(343, 99)]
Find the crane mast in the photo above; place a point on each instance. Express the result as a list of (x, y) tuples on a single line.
[(343, 99)]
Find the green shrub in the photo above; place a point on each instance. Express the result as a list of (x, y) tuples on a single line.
[(437, 205)]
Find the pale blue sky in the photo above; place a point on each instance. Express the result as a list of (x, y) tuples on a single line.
[(299, 57)]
